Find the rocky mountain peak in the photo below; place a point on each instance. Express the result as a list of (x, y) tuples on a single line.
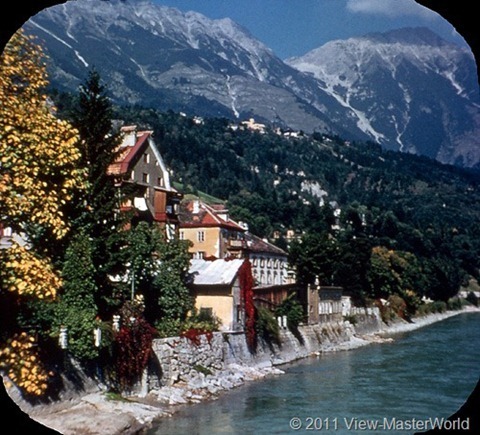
[(383, 87)]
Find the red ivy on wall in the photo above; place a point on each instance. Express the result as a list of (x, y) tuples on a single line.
[(246, 289), (133, 344), (194, 334)]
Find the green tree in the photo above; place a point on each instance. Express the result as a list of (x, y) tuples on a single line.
[(315, 255), (173, 298), (97, 214), (158, 270), (76, 309), (352, 265)]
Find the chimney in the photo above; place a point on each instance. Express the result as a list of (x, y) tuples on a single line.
[(129, 135), (196, 206)]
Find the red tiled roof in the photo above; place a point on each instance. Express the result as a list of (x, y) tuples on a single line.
[(207, 216), (126, 154)]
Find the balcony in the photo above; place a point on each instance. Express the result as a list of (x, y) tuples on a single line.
[(236, 244)]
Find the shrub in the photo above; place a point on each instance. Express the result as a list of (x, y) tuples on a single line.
[(201, 369), (398, 306), (438, 307), (203, 320), (168, 328), (132, 348), (291, 308), (455, 304), (472, 299), (266, 326)]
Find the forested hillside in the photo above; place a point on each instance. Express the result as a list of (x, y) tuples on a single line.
[(408, 206), (374, 221)]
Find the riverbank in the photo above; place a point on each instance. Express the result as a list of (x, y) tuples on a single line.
[(97, 412)]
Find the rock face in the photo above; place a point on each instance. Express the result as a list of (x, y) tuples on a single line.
[(408, 90)]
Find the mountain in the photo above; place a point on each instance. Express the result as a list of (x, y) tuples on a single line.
[(153, 55), (372, 88), (411, 90)]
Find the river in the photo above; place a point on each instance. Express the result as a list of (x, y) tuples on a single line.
[(395, 387)]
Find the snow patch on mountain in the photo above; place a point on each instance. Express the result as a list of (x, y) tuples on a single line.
[(406, 89), (77, 54)]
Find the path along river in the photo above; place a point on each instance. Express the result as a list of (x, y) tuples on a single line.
[(398, 387)]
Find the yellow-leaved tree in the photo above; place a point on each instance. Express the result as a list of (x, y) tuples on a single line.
[(39, 174)]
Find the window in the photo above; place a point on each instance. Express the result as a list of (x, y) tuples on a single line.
[(145, 177), (201, 236), (206, 313), (239, 313), (199, 255), (146, 158), (160, 181), (182, 235)]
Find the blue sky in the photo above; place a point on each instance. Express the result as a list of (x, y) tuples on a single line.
[(293, 27)]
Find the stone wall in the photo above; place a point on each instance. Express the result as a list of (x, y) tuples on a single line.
[(366, 320), (179, 359)]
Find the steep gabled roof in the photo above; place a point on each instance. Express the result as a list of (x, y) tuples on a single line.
[(134, 143), (126, 155)]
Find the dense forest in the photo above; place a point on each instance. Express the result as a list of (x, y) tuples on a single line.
[(377, 222)]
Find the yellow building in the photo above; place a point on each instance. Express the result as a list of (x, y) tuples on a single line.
[(212, 233), (216, 289)]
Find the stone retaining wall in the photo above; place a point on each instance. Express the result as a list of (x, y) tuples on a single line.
[(179, 359)]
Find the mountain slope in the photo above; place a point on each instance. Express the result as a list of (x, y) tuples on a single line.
[(406, 90), (411, 90), (158, 56)]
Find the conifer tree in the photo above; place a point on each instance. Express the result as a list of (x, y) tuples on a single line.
[(93, 119)]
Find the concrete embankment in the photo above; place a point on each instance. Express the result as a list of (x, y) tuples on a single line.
[(185, 372)]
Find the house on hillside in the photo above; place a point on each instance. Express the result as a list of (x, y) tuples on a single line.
[(8, 237), (216, 290), (144, 181), (212, 233)]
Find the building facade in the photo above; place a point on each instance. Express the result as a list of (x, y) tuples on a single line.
[(143, 180), (212, 233), (216, 290)]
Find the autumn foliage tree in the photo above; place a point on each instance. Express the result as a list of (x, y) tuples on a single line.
[(39, 174)]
